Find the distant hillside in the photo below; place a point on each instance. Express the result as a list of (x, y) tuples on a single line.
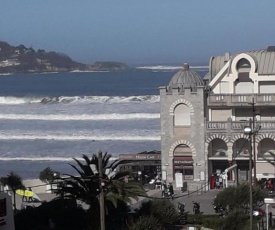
[(109, 66), (20, 59)]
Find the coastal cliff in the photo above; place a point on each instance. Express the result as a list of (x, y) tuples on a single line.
[(20, 59)]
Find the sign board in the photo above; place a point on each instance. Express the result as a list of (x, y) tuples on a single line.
[(186, 161), (202, 175), (6, 212), (140, 156), (179, 182), (164, 176)]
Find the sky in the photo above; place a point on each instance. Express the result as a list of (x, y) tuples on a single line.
[(141, 32)]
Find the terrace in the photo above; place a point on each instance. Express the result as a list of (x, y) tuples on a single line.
[(237, 126), (240, 99)]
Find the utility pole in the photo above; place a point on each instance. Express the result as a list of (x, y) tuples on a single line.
[(101, 195)]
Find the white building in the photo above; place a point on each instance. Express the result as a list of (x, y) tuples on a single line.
[(202, 122)]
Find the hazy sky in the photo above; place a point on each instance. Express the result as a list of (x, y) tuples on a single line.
[(140, 31)]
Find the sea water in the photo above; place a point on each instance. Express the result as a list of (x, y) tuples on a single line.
[(49, 119)]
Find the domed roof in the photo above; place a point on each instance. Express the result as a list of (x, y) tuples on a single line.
[(185, 78)]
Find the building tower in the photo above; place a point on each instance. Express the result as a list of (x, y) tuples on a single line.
[(182, 129)]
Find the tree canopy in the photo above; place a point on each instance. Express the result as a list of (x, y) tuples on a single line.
[(235, 203), (48, 175), (14, 181), (87, 185)]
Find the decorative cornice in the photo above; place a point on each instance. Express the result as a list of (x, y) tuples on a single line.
[(182, 142), (181, 101), (216, 136), (238, 136), (264, 136)]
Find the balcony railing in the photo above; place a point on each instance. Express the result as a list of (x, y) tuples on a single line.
[(237, 126), (234, 99)]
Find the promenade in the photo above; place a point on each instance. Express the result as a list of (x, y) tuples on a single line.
[(205, 199)]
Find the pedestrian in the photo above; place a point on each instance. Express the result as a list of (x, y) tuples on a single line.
[(270, 186), (212, 179), (30, 197), (224, 178), (217, 182), (157, 183), (220, 181), (171, 190), (164, 189)]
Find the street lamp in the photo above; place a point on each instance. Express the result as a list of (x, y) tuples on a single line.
[(248, 131), (251, 133)]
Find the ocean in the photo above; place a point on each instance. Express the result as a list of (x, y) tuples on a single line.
[(49, 119)]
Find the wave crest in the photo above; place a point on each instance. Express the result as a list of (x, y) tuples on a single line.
[(49, 158), (81, 117), (79, 99)]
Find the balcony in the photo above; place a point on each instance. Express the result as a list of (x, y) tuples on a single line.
[(240, 99), (237, 126)]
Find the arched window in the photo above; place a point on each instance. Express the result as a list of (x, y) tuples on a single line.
[(243, 84), (182, 115), (217, 148), (266, 149)]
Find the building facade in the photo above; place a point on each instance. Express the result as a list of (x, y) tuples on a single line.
[(203, 121)]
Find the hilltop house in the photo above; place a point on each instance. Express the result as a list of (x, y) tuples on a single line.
[(203, 120)]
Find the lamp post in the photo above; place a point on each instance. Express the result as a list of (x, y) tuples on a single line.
[(251, 131), (254, 144), (248, 131), (268, 201)]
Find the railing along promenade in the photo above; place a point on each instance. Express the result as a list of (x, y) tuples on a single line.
[(235, 99)]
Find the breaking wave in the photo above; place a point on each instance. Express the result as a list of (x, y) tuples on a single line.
[(113, 137), (80, 117), (163, 67), (61, 159), (79, 99)]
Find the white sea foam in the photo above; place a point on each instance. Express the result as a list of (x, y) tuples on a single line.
[(19, 100), (159, 67), (88, 71), (62, 159), (162, 67), (79, 99), (81, 117), (5, 74), (114, 137)]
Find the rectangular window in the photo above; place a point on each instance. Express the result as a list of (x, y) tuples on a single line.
[(267, 86), (220, 114)]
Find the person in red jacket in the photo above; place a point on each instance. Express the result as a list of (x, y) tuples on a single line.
[(212, 182)]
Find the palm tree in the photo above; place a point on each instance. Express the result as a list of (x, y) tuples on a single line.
[(14, 182), (86, 187), (48, 176)]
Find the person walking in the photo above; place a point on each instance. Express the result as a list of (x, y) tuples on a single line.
[(30, 197), (171, 190)]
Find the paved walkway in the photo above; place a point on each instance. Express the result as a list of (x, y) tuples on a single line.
[(205, 199)]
